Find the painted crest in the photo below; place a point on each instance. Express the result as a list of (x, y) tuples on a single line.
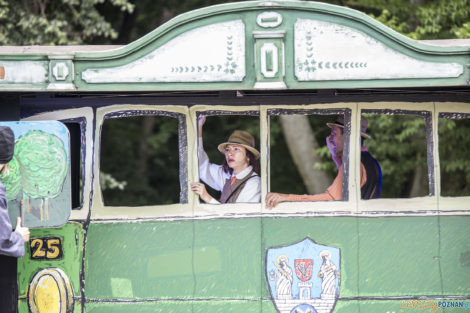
[(303, 277), (303, 269)]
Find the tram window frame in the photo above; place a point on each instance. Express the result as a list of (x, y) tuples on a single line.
[(77, 159), (333, 112), (451, 116), (449, 204), (126, 111), (242, 111), (427, 116)]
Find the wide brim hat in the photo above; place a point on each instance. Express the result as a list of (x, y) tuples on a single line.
[(7, 144), (340, 123), (242, 138)]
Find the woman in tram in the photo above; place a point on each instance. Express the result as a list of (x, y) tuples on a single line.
[(237, 177)]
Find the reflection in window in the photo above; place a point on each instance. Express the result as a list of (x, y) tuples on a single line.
[(139, 161), (398, 142), (454, 140), (217, 129), (300, 160)]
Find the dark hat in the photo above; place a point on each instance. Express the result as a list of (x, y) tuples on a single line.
[(340, 123), (242, 138), (7, 144)]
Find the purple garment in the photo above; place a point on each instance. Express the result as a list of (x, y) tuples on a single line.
[(11, 242)]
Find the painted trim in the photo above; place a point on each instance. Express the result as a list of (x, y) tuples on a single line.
[(83, 66), (99, 210)]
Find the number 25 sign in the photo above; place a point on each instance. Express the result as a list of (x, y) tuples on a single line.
[(48, 248)]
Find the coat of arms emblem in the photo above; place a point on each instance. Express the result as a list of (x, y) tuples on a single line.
[(303, 277)]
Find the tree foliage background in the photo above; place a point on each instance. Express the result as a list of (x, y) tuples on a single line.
[(399, 148), (65, 22)]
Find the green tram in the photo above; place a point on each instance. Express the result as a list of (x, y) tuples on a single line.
[(259, 60)]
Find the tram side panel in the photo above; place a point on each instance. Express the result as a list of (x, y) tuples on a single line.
[(49, 274), (229, 265)]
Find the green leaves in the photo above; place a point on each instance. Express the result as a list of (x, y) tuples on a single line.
[(431, 19), (62, 22), (399, 144)]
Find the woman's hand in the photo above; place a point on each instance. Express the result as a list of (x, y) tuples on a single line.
[(200, 190), (200, 122), (273, 198), (23, 231)]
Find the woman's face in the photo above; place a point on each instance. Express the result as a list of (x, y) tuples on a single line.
[(236, 157)]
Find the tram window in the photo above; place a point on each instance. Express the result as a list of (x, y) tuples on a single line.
[(399, 143), (140, 160), (217, 129), (76, 158), (300, 160), (454, 143)]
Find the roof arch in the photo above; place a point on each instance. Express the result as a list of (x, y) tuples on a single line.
[(250, 45)]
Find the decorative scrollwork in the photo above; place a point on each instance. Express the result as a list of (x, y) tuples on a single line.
[(228, 67)]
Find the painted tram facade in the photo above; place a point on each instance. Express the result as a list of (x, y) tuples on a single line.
[(265, 59)]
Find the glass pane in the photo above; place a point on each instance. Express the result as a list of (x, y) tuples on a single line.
[(217, 129), (140, 161), (398, 143), (301, 162), (454, 155)]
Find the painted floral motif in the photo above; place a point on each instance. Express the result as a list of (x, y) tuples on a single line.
[(186, 58), (312, 65), (228, 67), (328, 51)]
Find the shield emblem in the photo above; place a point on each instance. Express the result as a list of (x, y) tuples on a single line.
[(314, 287), (303, 269)]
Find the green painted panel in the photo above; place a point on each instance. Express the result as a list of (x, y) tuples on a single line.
[(337, 232), (397, 256), (455, 254), (153, 307), (71, 235), (139, 260), (380, 257), (176, 307), (261, 306), (226, 258), (230, 265)]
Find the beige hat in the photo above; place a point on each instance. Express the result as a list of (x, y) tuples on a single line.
[(340, 123), (242, 138)]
